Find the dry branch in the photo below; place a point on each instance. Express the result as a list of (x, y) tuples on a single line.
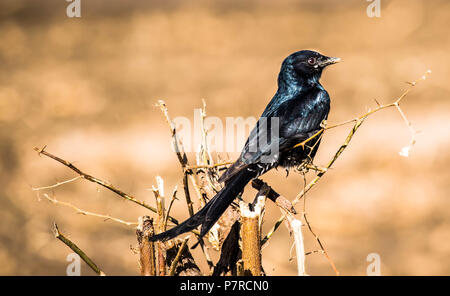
[(172, 200), (159, 197), (147, 258), (181, 155), (187, 174), (296, 229), (56, 185), (93, 179), (185, 265), (175, 261), (83, 212), (209, 166), (324, 251)]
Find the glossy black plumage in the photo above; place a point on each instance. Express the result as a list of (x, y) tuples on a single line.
[(295, 112)]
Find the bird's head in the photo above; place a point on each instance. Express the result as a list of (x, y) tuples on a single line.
[(306, 64)]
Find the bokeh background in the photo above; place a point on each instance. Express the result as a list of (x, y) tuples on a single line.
[(87, 89)]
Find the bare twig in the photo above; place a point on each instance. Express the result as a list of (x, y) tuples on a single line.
[(83, 212), (187, 174), (146, 248), (172, 200), (93, 179), (207, 174), (379, 107), (77, 250), (205, 156), (173, 266), (314, 252), (209, 166), (186, 265), (159, 196), (296, 227), (181, 155), (321, 245), (55, 185)]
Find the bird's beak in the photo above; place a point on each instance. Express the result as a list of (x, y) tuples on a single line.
[(329, 61)]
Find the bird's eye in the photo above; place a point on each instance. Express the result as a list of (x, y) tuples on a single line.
[(312, 61)]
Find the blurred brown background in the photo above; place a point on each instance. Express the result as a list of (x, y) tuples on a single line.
[(87, 88)]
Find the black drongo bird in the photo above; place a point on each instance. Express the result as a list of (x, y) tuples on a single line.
[(294, 115)]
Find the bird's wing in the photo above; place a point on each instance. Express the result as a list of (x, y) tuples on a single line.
[(297, 119)]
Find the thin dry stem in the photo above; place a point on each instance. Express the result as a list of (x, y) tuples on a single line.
[(77, 250), (209, 166), (181, 155), (158, 191), (187, 174), (175, 261), (296, 228), (172, 200), (380, 107), (87, 213), (321, 245), (93, 179), (55, 185), (251, 237)]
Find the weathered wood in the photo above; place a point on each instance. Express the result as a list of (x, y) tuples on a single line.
[(147, 258)]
